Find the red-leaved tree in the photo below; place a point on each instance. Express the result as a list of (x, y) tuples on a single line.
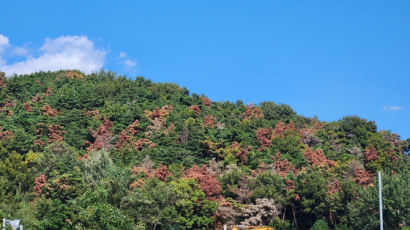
[(39, 183), (27, 107), (5, 134), (208, 183), (252, 112), (47, 110), (206, 101), (195, 109), (161, 172), (125, 135), (363, 177), (102, 137), (283, 166), (264, 136), (317, 158), (158, 117), (370, 154), (55, 133)]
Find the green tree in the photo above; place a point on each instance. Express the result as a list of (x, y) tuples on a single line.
[(275, 112), (194, 211), (364, 210), (320, 225), (311, 187), (152, 206), (268, 185), (93, 211)]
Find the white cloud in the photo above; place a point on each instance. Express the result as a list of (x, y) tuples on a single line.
[(123, 54), (392, 108), (4, 43), (127, 62), (64, 52), (20, 51)]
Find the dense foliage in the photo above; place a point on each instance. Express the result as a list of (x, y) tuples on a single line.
[(102, 151)]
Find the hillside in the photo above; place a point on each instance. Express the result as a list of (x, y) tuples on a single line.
[(102, 151)]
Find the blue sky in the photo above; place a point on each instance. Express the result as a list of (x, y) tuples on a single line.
[(324, 58)]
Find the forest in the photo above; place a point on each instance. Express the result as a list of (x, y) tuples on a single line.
[(103, 151)]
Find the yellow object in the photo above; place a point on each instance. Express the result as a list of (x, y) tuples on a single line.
[(252, 228)]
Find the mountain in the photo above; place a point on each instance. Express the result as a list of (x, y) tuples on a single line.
[(102, 151)]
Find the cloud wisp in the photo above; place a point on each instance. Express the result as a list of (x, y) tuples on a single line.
[(392, 108), (127, 62), (4, 43), (64, 52)]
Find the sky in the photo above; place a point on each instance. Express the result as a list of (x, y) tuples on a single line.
[(324, 58)]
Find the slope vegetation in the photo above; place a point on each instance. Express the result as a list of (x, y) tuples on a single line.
[(101, 151)]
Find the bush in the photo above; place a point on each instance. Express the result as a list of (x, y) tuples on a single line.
[(320, 225)]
